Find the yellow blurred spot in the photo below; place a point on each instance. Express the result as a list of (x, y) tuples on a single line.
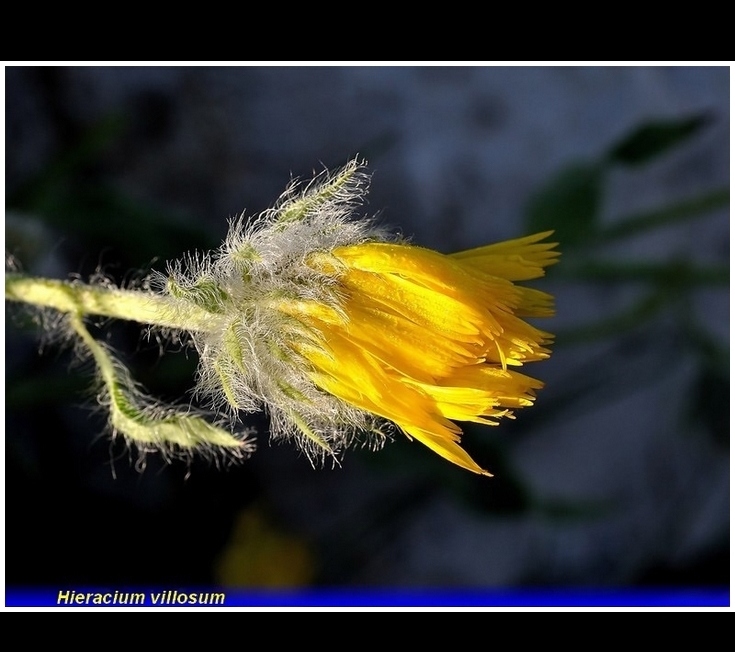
[(259, 554)]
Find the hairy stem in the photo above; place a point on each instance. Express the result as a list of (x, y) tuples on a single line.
[(134, 305)]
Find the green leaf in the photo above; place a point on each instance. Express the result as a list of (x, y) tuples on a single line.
[(569, 204), (141, 420), (654, 138)]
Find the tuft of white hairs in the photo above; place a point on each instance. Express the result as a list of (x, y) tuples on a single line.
[(246, 363)]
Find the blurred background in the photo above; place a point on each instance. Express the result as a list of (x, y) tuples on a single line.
[(618, 477)]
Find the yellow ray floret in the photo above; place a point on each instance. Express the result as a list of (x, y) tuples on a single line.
[(521, 259), (427, 338)]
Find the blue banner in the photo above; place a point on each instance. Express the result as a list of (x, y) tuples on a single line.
[(68, 597)]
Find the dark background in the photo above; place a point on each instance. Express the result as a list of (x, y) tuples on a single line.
[(619, 476)]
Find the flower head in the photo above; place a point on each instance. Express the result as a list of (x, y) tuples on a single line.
[(343, 332)]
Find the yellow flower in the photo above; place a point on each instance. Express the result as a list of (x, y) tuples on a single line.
[(343, 332), (424, 339), (339, 330)]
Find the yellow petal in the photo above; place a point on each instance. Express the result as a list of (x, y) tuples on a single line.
[(447, 448), (402, 345), (433, 310), (427, 338), (520, 259)]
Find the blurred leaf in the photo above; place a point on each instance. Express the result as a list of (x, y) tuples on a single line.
[(681, 211), (73, 162), (710, 404), (654, 138), (713, 353), (672, 274), (568, 204), (70, 194), (105, 218), (629, 319)]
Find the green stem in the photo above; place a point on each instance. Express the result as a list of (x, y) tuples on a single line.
[(80, 298)]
